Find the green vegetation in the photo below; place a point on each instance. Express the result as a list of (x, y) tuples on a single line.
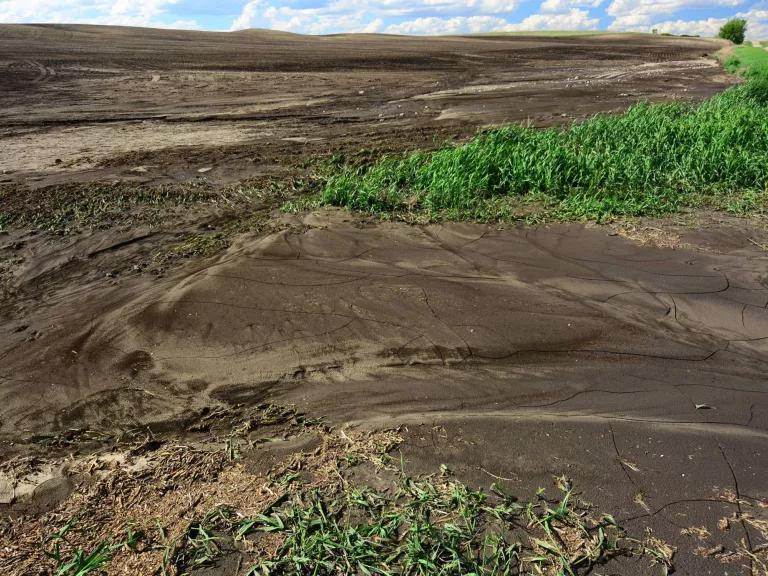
[(83, 563), (80, 562), (652, 159), (430, 526), (750, 62), (422, 527), (734, 30), (315, 513), (434, 527)]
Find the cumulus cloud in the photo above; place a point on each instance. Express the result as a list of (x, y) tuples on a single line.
[(574, 19), (258, 14), (559, 6), (456, 25), (708, 27), (350, 16), (472, 6), (119, 12), (399, 16), (757, 25), (638, 14)]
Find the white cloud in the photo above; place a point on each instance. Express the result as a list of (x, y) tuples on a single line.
[(247, 16), (757, 25), (456, 25), (118, 12), (473, 6), (26, 10), (400, 16), (574, 19), (355, 16), (258, 14), (559, 6), (638, 14), (708, 27)]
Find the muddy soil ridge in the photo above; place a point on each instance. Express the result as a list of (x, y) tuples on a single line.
[(379, 321)]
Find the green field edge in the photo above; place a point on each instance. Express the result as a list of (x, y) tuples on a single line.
[(652, 160)]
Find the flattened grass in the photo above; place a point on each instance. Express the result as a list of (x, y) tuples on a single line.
[(652, 159)]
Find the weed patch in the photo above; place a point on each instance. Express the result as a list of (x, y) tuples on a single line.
[(153, 507), (436, 525)]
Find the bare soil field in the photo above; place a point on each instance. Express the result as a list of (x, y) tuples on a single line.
[(154, 293), (90, 102)]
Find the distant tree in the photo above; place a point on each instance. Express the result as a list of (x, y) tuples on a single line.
[(734, 30)]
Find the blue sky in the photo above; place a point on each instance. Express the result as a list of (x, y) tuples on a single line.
[(400, 16)]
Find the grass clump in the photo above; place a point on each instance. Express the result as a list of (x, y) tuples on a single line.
[(650, 160), (438, 526), (80, 562), (193, 511)]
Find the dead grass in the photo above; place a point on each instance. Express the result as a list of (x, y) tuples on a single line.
[(648, 235)]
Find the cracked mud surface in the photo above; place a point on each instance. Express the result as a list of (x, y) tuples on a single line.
[(508, 354)]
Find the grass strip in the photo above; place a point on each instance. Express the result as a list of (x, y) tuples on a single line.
[(748, 61), (652, 159)]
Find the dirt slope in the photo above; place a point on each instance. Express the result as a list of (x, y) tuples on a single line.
[(527, 316)]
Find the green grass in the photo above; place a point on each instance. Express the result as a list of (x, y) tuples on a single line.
[(749, 61), (315, 514), (652, 159), (438, 527), (79, 562), (433, 526)]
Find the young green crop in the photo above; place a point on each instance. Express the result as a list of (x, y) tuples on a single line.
[(652, 159), (434, 526)]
